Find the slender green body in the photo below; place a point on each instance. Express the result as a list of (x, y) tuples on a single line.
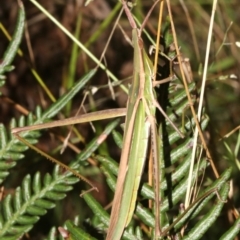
[(138, 125)]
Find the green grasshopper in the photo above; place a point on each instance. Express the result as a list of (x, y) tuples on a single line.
[(140, 127)]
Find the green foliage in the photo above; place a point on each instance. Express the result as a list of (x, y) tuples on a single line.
[(38, 193), (31, 201), (11, 51), (12, 148)]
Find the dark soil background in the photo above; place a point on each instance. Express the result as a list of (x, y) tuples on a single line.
[(50, 56)]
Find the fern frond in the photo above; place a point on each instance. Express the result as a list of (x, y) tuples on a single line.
[(179, 160), (20, 211), (12, 149)]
